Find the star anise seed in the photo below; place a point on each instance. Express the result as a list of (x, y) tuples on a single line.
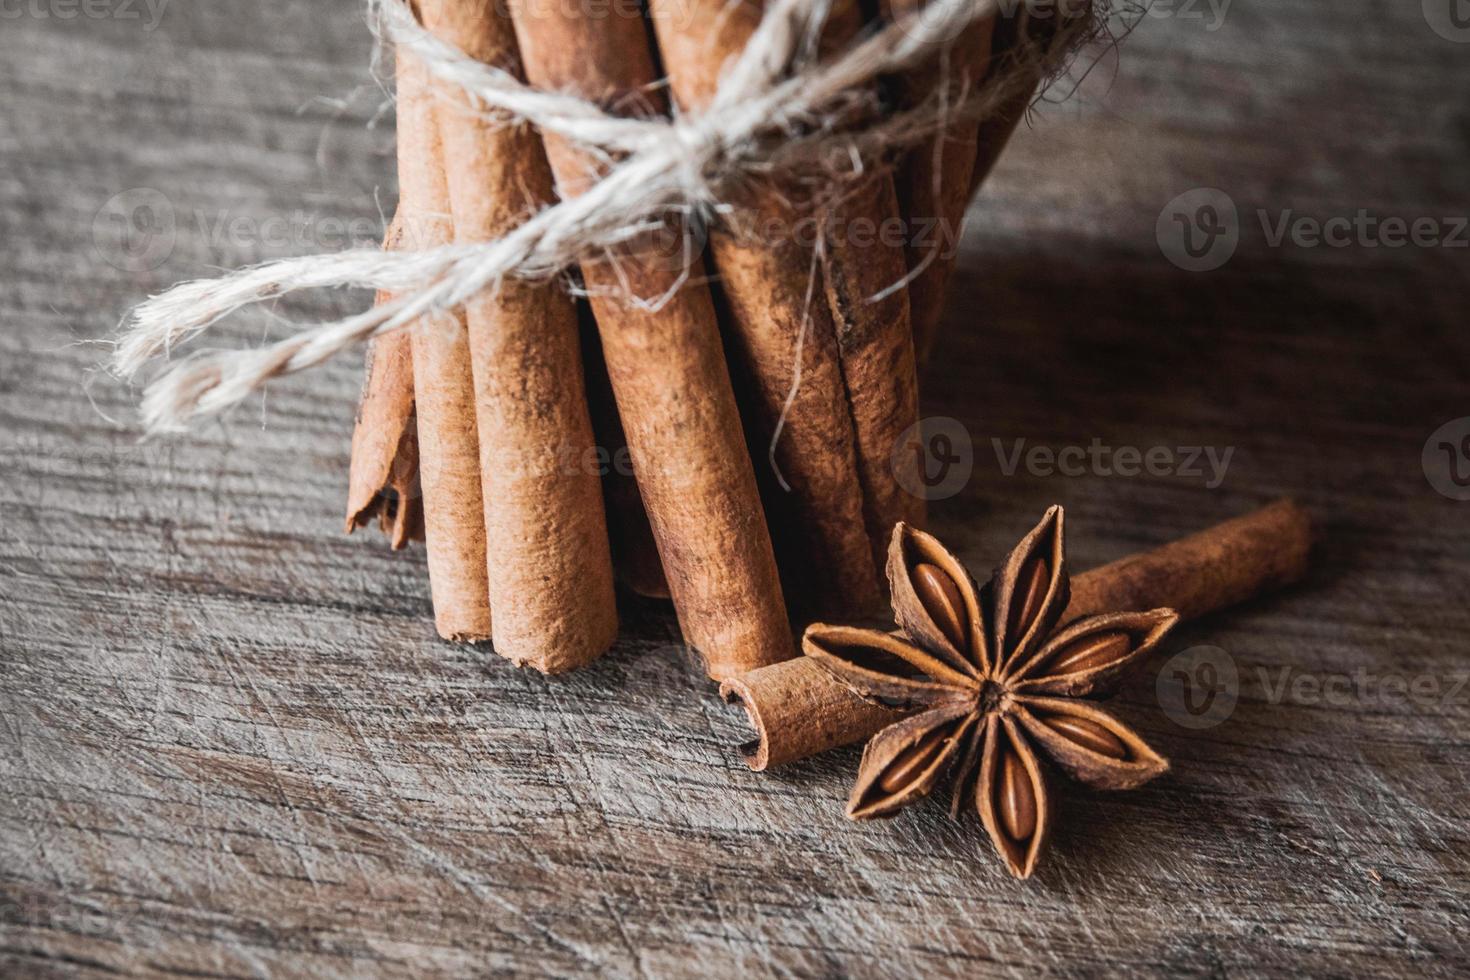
[(992, 684), (1091, 652), (1087, 734), (1017, 801), (942, 601)]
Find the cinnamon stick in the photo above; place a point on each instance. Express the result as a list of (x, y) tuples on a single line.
[(799, 710), (935, 179), (1017, 55), (444, 394), (383, 476), (939, 181), (780, 325), (874, 334), (876, 346), (667, 370), (635, 553), (550, 569)]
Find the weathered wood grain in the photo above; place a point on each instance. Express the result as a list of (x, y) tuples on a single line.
[(231, 746)]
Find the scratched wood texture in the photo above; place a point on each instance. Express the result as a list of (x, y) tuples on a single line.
[(231, 745)]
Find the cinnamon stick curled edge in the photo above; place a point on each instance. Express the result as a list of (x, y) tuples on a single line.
[(799, 710), (383, 476)]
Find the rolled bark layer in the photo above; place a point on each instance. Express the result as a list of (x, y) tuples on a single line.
[(782, 333), (383, 476), (549, 565), (935, 179), (864, 271), (798, 709), (667, 370), (1018, 60), (876, 345), (636, 563), (1222, 566), (444, 391)]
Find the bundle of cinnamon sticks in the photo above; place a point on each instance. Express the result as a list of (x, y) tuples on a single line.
[(711, 415)]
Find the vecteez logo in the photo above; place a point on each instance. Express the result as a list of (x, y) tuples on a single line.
[(934, 458), (1450, 19), (1199, 230), (135, 230), (1446, 459), (148, 12), (1199, 687)]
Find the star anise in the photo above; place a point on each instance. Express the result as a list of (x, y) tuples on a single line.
[(992, 678)]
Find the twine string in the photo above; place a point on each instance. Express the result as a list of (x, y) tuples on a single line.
[(770, 115)]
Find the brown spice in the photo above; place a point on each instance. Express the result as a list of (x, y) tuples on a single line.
[(798, 710), (444, 393), (635, 553), (547, 553), (876, 345), (1020, 55), (980, 705), (668, 373), (935, 180), (779, 321), (1014, 50), (874, 331), (383, 476)]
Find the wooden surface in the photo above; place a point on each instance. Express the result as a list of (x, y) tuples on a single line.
[(231, 746)]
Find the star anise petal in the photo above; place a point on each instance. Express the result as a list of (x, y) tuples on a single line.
[(935, 601), (1012, 797), (1091, 745), (883, 667), (1030, 591), (1091, 656), (904, 762), (965, 775)]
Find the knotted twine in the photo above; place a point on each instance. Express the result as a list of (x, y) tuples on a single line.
[(772, 115)]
